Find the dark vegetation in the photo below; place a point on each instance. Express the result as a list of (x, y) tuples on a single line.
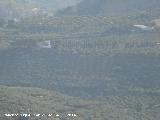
[(110, 7)]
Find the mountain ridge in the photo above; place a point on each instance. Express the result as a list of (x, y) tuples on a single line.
[(109, 7)]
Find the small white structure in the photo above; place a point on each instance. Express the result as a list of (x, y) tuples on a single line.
[(143, 27), (45, 44), (57, 115), (16, 20), (35, 10)]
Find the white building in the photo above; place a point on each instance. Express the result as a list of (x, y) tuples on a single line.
[(45, 44), (143, 27)]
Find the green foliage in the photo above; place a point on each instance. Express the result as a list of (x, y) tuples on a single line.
[(35, 100)]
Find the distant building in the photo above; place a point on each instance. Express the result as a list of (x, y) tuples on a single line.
[(45, 44), (143, 27)]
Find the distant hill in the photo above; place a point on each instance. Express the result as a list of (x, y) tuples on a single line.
[(109, 7), (55, 4), (10, 9)]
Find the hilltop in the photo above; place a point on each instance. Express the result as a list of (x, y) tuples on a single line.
[(55, 4), (110, 7), (17, 9)]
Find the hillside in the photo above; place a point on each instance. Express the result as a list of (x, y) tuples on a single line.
[(74, 53), (17, 9), (34, 101), (110, 7), (98, 59), (14, 10), (55, 4)]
